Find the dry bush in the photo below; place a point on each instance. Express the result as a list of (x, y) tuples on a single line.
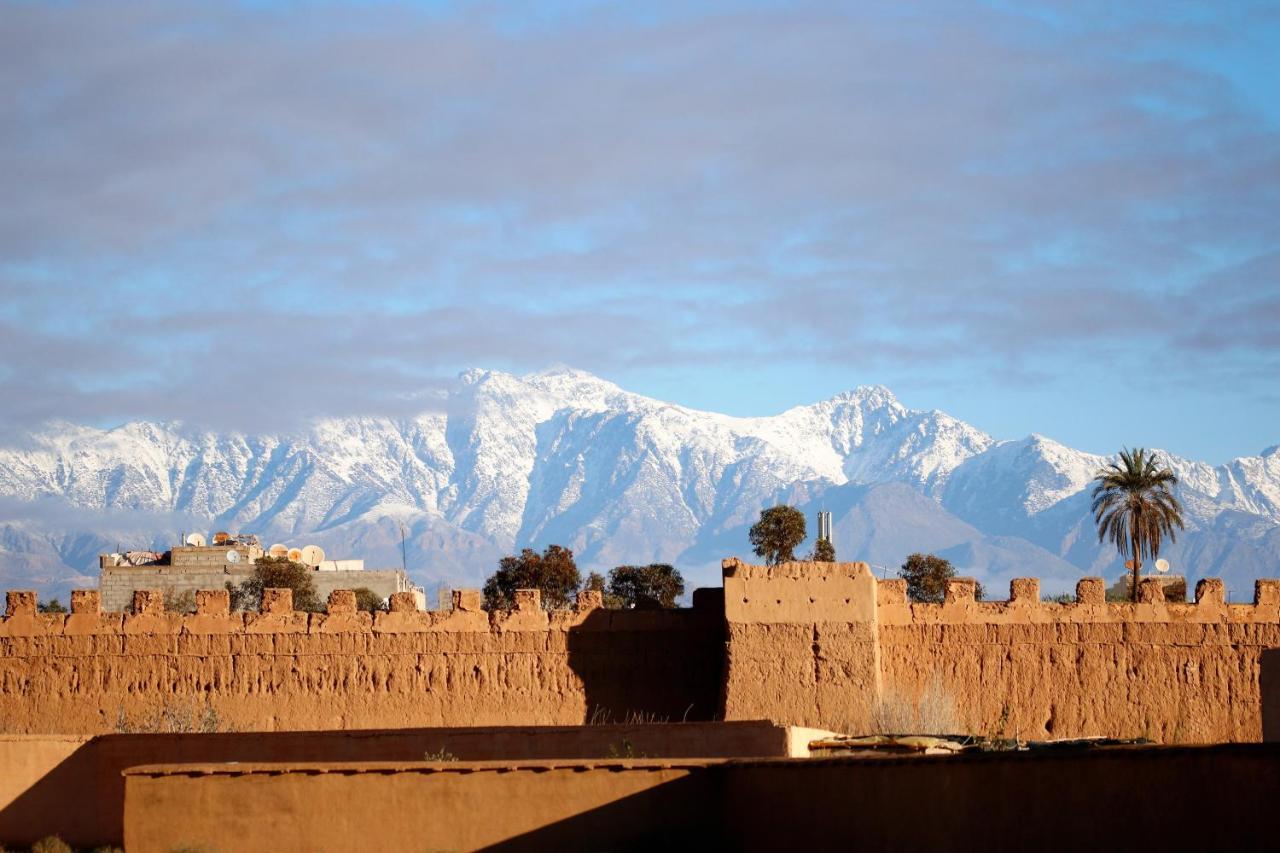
[(933, 712), (51, 844), (170, 719)]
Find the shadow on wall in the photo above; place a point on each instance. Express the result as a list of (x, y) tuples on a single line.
[(649, 666), (1099, 798)]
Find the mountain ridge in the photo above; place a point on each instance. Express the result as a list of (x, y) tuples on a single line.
[(564, 456)]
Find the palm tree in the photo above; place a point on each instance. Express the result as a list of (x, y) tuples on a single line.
[(1134, 506)]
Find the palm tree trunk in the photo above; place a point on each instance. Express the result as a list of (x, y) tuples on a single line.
[(1137, 565)]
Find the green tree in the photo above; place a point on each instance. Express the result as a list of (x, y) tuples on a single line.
[(368, 600), (927, 575), (1134, 506), (652, 587), (553, 572), (276, 573), (777, 533), (823, 552), (595, 582), (53, 605)]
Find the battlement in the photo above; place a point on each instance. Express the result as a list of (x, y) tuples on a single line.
[(277, 615), (810, 644), (804, 593)]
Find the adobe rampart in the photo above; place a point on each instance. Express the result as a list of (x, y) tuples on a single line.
[(822, 645)]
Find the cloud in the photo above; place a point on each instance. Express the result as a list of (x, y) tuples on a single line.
[(212, 206)]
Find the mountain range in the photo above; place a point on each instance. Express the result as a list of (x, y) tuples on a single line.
[(501, 462)]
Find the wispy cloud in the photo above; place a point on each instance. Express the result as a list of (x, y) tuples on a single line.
[(336, 209)]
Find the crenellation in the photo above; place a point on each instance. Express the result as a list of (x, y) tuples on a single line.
[(1024, 591), (811, 644)]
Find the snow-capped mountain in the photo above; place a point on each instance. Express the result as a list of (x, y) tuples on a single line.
[(565, 457)]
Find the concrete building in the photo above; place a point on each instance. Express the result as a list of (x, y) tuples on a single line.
[(188, 568)]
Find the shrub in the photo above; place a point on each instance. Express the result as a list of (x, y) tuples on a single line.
[(51, 844), (53, 605), (933, 712), (180, 602), (173, 719), (276, 573), (926, 577), (553, 572), (652, 587), (368, 600)]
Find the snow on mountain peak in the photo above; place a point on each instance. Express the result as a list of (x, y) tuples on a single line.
[(564, 456)]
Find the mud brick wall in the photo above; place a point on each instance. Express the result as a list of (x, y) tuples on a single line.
[(93, 672)]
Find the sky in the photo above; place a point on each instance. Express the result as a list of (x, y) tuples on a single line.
[(1051, 218)]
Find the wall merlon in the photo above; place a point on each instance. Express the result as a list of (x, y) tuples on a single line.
[(1091, 591), (1024, 591)]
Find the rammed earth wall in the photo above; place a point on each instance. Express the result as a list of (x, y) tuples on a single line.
[(818, 645), (844, 642), (93, 672)]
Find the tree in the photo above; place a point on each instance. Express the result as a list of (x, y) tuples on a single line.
[(553, 572), (53, 605), (823, 552), (927, 576), (275, 573), (596, 583), (1134, 506), (777, 533), (368, 600), (652, 587)]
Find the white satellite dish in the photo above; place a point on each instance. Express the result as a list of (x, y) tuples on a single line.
[(195, 540), (278, 550), (295, 554), (1162, 565), (313, 555), (233, 556)]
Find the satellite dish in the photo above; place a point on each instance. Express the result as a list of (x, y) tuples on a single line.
[(295, 554), (195, 540), (278, 550), (221, 537), (233, 556), (313, 555), (1162, 565)]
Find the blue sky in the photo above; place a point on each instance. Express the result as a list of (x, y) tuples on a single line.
[(1061, 219)]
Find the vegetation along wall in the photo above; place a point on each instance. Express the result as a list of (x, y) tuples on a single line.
[(814, 644)]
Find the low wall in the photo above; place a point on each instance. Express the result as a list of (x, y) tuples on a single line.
[(74, 786), (1104, 799), (93, 672)]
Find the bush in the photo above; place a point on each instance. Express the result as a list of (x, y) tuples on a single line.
[(933, 712), (51, 844), (553, 572), (171, 718), (180, 602), (276, 573), (652, 587), (53, 605), (368, 600), (926, 577)]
